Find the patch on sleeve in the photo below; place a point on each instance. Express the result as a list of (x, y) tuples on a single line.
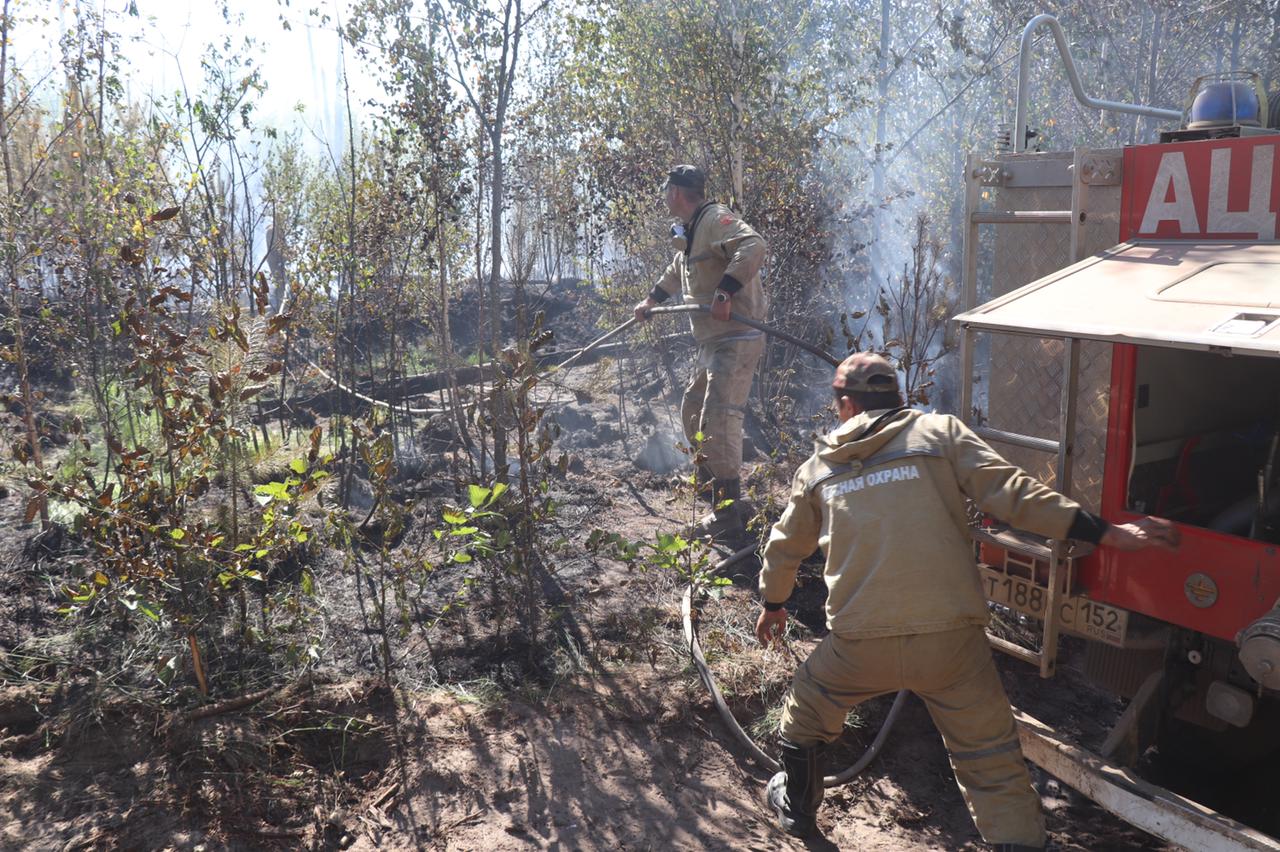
[(727, 219)]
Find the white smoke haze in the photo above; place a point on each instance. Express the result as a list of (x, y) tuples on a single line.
[(162, 45), (941, 81), (914, 88)]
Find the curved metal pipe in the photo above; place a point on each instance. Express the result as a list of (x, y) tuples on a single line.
[(1064, 50)]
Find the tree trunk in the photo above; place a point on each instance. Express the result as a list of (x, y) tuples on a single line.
[(495, 298), (1235, 39), (883, 71), (1153, 62), (737, 102)]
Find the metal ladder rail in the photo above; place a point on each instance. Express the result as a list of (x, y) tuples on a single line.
[(1060, 565)]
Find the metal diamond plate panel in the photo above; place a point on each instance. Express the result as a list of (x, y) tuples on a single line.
[(1024, 253), (1024, 394), (1025, 374), (1091, 424)]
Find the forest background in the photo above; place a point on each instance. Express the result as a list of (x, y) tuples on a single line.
[(213, 323)]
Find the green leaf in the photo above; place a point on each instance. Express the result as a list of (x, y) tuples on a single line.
[(465, 530), (308, 584), (478, 494), (177, 534), (271, 491), (298, 466), (452, 517), (462, 557)]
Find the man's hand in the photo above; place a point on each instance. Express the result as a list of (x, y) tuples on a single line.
[(769, 626), (1148, 532), (642, 309), (721, 306)]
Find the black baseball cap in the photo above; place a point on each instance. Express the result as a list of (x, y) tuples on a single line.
[(688, 176)]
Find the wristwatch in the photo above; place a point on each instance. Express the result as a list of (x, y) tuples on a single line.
[(721, 296)]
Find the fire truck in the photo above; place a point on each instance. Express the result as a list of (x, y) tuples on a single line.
[(1120, 338)]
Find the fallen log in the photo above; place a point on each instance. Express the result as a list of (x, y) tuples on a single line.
[(424, 383), (436, 380)]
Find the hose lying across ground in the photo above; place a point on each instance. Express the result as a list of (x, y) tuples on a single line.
[(691, 635), (704, 671), (709, 680), (687, 610)]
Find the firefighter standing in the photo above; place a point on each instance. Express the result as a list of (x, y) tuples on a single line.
[(717, 263), (884, 494)]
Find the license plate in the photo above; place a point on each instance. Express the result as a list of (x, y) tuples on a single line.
[(1077, 615)]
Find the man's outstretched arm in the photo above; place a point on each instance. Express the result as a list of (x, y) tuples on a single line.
[(793, 538)]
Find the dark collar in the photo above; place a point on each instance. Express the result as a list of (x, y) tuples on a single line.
[(879, 422), (697, 217)]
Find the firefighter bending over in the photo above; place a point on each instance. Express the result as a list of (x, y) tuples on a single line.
[(884, 494), (717, 263)]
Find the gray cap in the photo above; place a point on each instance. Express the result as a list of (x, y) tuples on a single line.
[(865, 372)]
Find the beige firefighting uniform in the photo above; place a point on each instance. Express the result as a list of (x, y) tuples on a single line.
[(714, 402), (905, 607)]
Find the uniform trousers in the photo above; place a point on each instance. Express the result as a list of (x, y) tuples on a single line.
[(716, 398), (953, 673)]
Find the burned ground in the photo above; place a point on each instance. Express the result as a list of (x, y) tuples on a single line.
[(599, 738)]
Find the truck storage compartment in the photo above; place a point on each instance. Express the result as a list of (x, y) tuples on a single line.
[(1205, 440)]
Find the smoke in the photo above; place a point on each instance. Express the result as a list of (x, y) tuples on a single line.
[(904, 150), (659, 454)]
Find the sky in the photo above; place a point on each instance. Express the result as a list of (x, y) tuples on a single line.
[(163, 44)]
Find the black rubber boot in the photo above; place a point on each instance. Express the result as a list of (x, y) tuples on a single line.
[(726, 490), (706, 488), (725, 524), (796, 792)]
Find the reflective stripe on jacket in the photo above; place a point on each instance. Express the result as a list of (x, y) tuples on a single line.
[(888, 510)]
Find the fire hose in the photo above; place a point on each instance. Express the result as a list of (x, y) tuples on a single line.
[(708, 679), (704, 309), (688, 612), (687, 608)]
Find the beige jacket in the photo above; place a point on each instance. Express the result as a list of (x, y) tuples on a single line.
[(888, 510), (722, 244)]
